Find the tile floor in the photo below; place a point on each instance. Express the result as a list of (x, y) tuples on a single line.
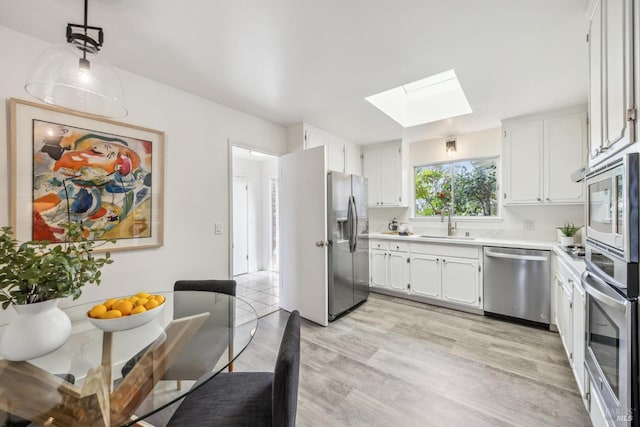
[(260, 289)]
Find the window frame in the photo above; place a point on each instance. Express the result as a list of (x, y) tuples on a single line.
[(434, 218)]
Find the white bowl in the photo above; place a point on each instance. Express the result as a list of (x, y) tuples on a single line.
[(126, 322)]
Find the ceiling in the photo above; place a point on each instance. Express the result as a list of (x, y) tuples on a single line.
[(289, 61)]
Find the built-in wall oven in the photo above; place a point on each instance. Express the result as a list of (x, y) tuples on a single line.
[(612, 207), (611, 352), (611, 285)]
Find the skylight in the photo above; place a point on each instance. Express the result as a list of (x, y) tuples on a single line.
[(427, 100)]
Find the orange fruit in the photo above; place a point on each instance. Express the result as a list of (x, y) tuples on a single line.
[(138, 309), (111, 314), (152, 303), (109, 303), (125, 307), (97, 310), (142, 295), (159, 298), (142, 301)]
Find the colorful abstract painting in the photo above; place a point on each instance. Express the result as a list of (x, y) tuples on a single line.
[(100, 180)]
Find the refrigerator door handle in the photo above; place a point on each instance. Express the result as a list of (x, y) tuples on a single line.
[(354, 230), (350, 220)]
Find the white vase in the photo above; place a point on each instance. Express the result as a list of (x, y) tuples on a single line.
[(567, 240), (38, 329)]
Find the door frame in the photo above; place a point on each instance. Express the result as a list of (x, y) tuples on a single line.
[(230, 144)]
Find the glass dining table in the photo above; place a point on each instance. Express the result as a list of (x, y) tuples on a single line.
[(100, 378)]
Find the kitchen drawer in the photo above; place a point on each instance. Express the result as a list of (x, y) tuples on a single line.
[(381, 245), (458, 251), (399, 246), (568, 275)]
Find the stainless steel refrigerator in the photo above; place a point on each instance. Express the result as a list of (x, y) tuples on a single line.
[(348, 234)]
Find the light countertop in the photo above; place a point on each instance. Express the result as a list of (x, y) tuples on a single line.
[(578, 266)]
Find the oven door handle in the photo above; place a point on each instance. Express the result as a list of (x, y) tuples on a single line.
[(615, 303)]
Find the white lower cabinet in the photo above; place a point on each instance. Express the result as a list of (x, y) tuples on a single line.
[(445, 273), (424, 276), (571, 308), (389, 266), (448, 273), (579, 340), (397, 271), (564, 316), (379, 268), (460, 281)]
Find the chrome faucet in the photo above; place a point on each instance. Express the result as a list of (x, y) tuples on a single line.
[(450, 227)]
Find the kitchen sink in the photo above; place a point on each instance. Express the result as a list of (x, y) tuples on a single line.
[(428, 236)]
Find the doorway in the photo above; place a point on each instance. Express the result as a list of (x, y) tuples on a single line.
[(255, 231)]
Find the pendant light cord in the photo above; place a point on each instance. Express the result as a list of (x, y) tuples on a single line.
[(86, 14)]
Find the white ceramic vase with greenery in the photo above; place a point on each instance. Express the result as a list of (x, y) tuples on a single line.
[(33, 277), (569, 232)]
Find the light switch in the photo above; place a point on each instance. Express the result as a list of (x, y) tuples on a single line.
[(218, 228)]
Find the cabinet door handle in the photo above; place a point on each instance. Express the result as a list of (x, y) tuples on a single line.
[(548, 199), (539, 199)]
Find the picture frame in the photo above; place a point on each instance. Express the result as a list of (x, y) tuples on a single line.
[(68, 166)]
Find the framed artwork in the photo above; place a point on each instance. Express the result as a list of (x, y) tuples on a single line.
[(71, 167)]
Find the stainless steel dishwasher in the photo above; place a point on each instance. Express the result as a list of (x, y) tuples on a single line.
[(517, 283)]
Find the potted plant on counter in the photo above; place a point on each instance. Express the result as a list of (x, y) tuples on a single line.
[(569, 232), (33, 277)]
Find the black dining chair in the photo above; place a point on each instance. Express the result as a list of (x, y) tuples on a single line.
[(221, 286), (253, 399), (207, 346), (195, 361)]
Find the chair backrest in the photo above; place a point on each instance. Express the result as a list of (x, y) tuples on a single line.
[(286, 375), (223, 286), (207, 346)]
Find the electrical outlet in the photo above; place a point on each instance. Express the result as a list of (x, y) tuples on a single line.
[(529, 224)]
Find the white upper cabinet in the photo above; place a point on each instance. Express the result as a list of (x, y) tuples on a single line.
[(523, 145), (341, 155), (383, 169), (565, 151), (539, 154), (352, 160), (612, 113)]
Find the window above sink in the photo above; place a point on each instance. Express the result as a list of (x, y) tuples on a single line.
[(463, 188)]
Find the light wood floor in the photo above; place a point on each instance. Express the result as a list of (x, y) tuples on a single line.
[(394, 362)]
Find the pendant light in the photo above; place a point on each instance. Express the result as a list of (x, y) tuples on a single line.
[(73, 76)]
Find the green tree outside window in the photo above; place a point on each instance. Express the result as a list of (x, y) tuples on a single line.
[(468, 186)]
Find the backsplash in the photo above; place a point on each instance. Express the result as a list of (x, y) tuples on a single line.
[(544, 219)]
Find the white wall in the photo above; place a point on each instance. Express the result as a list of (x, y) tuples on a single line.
[(196, 173), (486, 143), (258, 174)]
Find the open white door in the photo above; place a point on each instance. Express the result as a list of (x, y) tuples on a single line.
[(303, 228), (240, 225)]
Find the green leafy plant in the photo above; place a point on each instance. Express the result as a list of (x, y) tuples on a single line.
[(569, 230), (32, 271)]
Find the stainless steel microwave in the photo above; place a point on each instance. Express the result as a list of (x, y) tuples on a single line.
[(612, 207)]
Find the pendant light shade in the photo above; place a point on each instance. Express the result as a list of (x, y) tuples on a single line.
[(58, 79), (74, 76)]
